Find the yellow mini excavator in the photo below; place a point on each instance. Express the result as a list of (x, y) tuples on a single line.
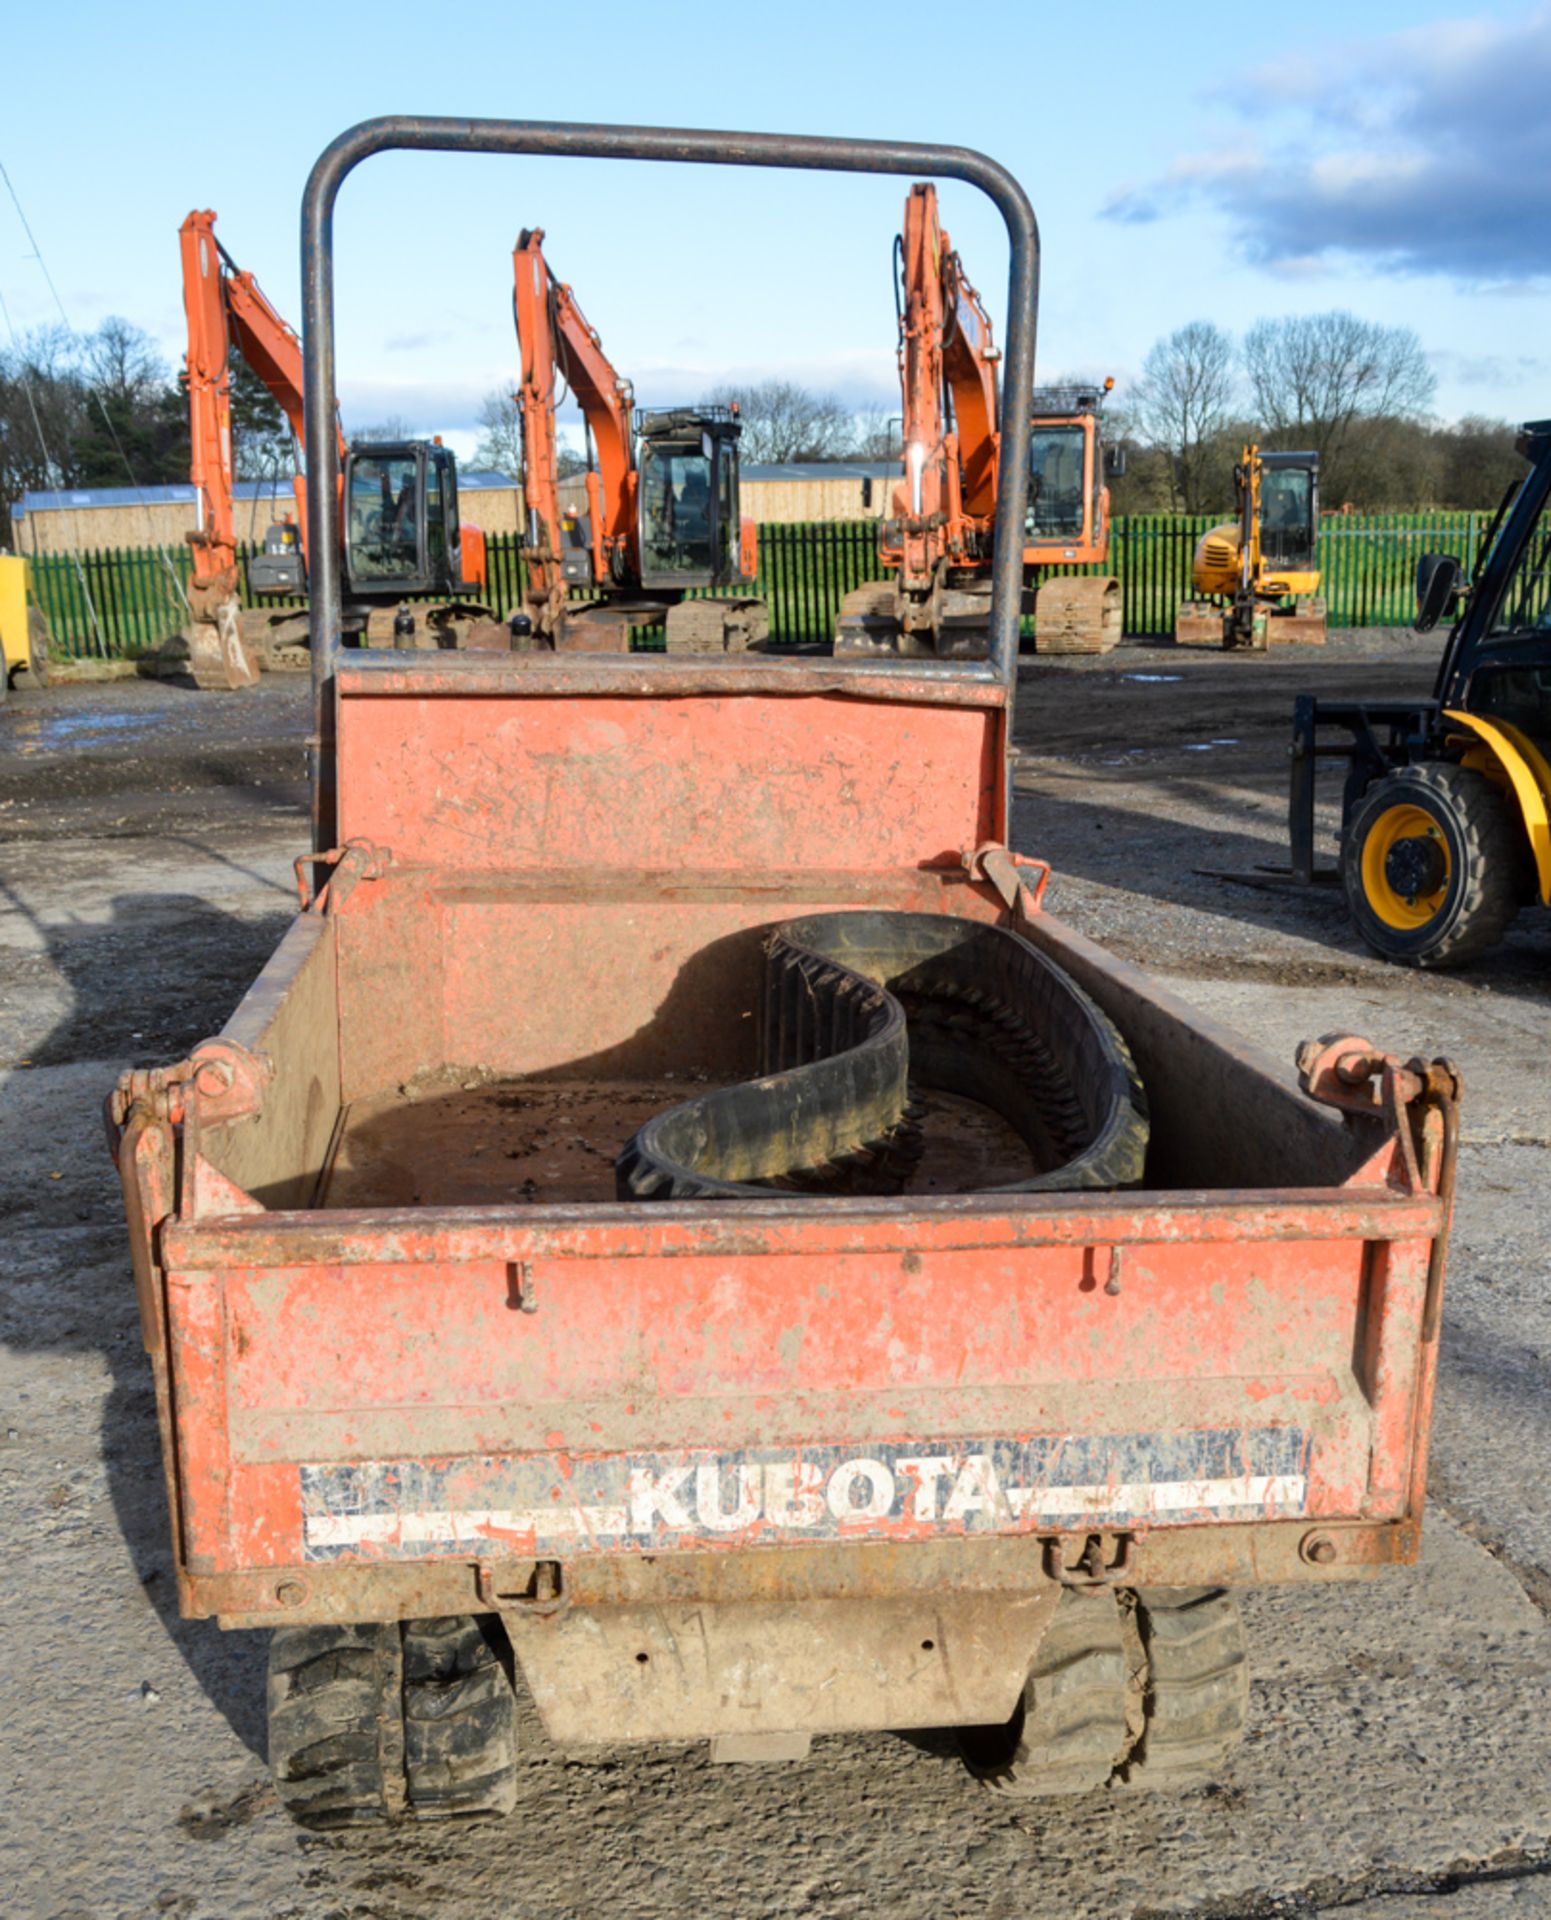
[(1247, 567)]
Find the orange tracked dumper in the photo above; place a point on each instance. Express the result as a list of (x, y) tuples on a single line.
[(678, 1222)]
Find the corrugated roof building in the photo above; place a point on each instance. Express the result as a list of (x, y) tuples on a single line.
[(93, 518), (74, 520)]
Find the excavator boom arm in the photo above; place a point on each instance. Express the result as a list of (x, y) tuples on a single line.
[(948, 361), (227, 307), (969, 367), (209, 399), (556, 343)]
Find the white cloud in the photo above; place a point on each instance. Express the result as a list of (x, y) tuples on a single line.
[(1426, 152)]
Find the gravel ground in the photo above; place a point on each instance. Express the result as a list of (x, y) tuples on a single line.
[(1398, 1762)]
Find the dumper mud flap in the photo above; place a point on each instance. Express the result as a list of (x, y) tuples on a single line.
[(688, 1670), (863, 1009)]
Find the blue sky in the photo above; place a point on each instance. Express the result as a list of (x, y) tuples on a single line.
[(1182, 162)]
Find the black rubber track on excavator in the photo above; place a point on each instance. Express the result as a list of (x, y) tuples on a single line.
[(865, 1010)]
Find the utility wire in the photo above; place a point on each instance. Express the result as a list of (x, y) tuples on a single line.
[(102, 405)]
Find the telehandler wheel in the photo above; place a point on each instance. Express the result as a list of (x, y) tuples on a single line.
[(1432, 865), (1197, 1689), (372, 1724), (1069, 1729)]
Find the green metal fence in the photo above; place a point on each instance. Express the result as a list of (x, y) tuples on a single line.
[(128, 600), (1367, 562)]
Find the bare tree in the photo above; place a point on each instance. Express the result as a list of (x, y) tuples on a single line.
[(1181, 404), (500, 445), (85, 410), (41, 406), (121, 365), (875, 435), (1315, 376), (782, 421), (134, 423), (394, 427), (500, 440)]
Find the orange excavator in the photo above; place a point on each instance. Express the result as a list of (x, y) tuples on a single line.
[(936, 540), (661, 520), (414, 575), (1067, 520)]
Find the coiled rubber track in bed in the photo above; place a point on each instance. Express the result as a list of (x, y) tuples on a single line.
[(864, 1013)]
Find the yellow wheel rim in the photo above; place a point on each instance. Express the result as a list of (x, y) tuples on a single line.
[(1397, 909)]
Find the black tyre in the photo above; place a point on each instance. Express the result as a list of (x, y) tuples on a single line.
[(1068, 1731), (1197, 1690), (372, 1724), (1432, 862)]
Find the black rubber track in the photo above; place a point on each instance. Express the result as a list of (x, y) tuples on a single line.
[(1140, 1691), (336, 1736), (1487, 856), (1197, 1686), (1069, 1730), (460, 1722), (380, 1723), (862, 1007)]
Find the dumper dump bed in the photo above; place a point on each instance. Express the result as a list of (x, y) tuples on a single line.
[(415, 1346)]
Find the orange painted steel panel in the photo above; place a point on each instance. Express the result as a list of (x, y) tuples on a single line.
[(428, 966), (810, 781), (428, 1375)]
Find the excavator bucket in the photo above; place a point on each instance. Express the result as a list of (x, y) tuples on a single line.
[(1304, 621), (1199, 623), (869, 620), (211, 652), (1081, 615)]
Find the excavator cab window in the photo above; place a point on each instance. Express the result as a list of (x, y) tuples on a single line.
[(447, 469), (726, 515), (678, 513), (1056, 490), (385, 519), (1287, 530)]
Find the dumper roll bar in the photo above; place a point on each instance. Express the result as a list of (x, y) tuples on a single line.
[(394, 132)]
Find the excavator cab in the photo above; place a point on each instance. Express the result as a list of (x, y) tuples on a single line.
[(1289, 510), (1068, 504), (1066, 523), (687, 461), (1256, 577), (401, 520)]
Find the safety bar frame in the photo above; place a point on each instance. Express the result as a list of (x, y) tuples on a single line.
[(427, 133)]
